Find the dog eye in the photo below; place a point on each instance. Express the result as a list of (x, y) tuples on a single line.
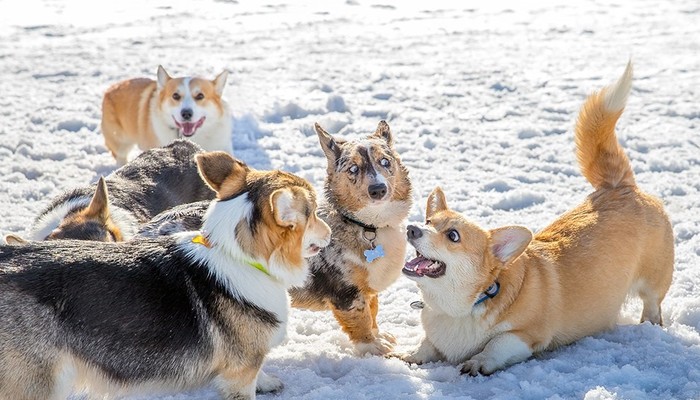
[(453, 235), (176, 96), (199, 96), (384, 163), (353, 169)]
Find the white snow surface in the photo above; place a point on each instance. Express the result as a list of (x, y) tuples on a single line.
[(482, 99)]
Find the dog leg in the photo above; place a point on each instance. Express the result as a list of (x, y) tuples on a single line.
[(501, 351), (267, 383), (237, 384), (425, 353), (357, 323), (374, 308)]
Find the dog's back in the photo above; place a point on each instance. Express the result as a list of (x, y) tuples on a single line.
[(620, 237), (155, 181)]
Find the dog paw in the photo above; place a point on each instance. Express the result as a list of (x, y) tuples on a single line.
[(406, 357), (387, 336), (476, 367), (378, 347), (268, 383)]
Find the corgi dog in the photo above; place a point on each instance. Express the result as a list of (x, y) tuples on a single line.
[(166, 314), (368, 197), (151, 113), (112, 210), (495, 297)]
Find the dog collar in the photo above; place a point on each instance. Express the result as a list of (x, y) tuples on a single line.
[(369, 233), (490, 293), (202, 240)]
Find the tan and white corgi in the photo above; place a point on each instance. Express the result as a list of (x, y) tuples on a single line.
[(151, 113), (165, 314), (368, 197), (492, 298)]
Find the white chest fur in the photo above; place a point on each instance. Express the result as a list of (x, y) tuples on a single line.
[(457, 338), (385, 270)]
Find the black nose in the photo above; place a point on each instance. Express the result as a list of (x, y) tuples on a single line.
[(413, 232), (186, 114), (377, 191)]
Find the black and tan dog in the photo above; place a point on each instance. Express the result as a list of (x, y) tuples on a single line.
[(112, 210), (163, 314), (368, 197)]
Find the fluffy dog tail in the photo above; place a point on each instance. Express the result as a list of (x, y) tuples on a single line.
[(602, 160)]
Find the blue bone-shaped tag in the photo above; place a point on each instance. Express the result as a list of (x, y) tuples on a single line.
[(373, 254)]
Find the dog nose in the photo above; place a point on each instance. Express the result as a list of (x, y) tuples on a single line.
[(186, 114), (413, 232), (377, 191)]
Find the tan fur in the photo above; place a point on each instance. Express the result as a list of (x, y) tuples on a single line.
[(568, 282), (130, 107)]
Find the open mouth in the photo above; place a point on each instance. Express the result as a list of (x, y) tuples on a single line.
[(188, 129), (422, 266)]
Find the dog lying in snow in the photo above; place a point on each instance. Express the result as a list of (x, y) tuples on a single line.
[(493, 298), (164, 314), (152, 113), (112, 209)]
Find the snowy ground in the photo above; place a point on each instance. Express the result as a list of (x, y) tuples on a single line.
[(482, 99)]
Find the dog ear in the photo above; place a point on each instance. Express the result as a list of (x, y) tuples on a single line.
[(99, 205), (15, 240), (220, 82), (284, 208), (436, 202), (509, 242), (328, 144), (384, 132), (163, 77), (223, 173)]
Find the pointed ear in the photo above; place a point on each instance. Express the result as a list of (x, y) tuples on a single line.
[(384, 132), (284, 208), (14, 240), (220, 82), (436, 202), (223, 173), (509, 242), (99, 205), (163, 77), (328, 144)]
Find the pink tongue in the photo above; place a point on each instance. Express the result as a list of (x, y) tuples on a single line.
[(419, 264), (188, 128)]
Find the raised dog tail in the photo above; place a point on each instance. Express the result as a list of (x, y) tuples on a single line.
[(602, 160)]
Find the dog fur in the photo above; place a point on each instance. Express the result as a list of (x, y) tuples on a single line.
[(567, 282), (112, 209), (366, 182), (164, 314), (151, 113)]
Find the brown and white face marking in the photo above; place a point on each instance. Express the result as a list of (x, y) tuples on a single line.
[(365, 176), (456, 260), (190, 101), (91, 223), (273, 213)]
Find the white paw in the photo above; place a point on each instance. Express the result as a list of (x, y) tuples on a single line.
[(378, 347), (268, 383), (407, 358), (477, 366), (387, 336)]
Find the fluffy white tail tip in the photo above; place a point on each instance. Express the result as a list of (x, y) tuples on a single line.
[(616, 95)]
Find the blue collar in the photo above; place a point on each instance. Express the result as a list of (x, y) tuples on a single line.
[(490, 293)]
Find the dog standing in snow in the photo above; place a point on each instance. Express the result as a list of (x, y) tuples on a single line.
[(493, 298), (152, 113), (165, 314)]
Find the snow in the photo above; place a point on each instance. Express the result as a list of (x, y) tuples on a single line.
[(482, 98)]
